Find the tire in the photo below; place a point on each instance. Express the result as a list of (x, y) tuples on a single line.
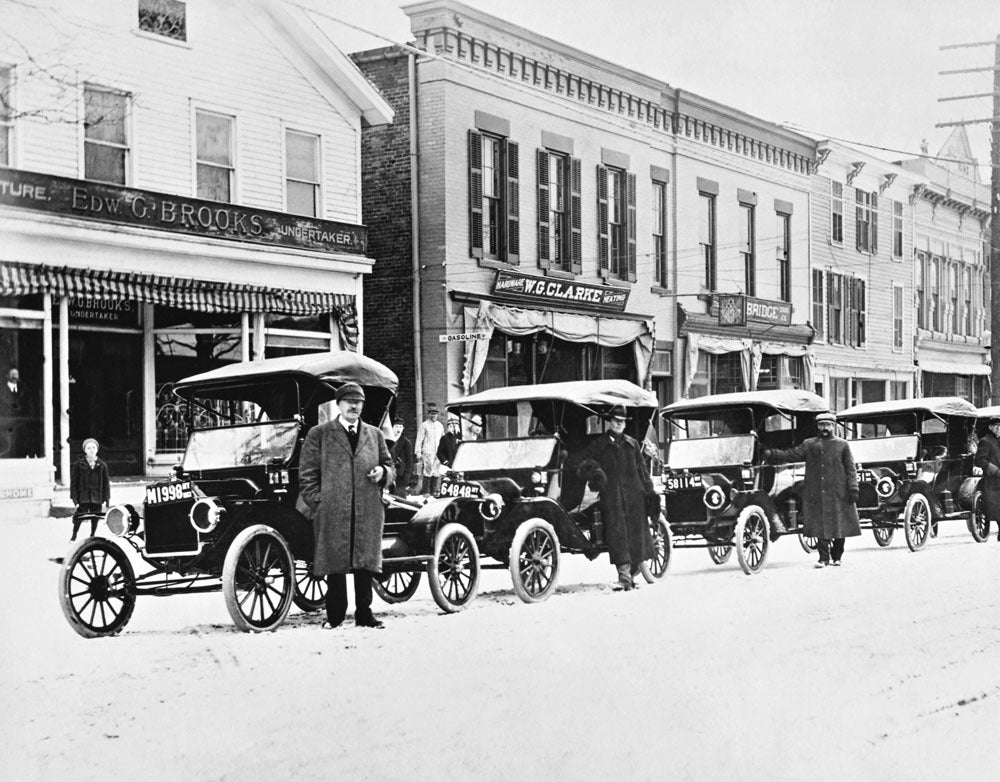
[(258, 579), (453, 574), (97, 588), (883, 535), (809, 544), (655, 569), (917, 521), (720, 554), (534, 561), (396, 587), (752, 539), (310, 590), (979, 525)]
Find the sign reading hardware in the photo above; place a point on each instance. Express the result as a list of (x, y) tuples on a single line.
[(544, 289), (727, 308), (114, 204)]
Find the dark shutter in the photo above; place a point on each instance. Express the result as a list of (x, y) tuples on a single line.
[(576, 223), (858, 218), (852, 317), (512, 203), (602, 221), (860, 299), (544, 252), (874, 225), (475, 194), (630, 223), (829, 306)]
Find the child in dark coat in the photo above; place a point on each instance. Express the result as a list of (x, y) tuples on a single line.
[(89, 487)]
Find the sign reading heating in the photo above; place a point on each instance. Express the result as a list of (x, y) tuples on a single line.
[(563, 292)]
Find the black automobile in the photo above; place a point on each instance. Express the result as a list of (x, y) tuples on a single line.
[(915, 466), (719, 493), (227, 520), (515, 496)]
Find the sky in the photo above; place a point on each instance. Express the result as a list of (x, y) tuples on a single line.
[(855, 70)]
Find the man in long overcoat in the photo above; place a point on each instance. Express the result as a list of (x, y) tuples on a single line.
[(345, 463), (830, 489), (402, 457), (627, 498), (988, 460)]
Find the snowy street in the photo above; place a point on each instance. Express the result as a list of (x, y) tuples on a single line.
[(886, 668)]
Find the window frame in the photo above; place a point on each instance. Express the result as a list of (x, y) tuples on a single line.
[(708, 230), (897, 230), (836, 212), (616, 218), (897, 316), (783, 255), (748, 246), (125, 148), (659, 234), (183, 38), (560, 227), (231, 168), (819, 304), (835, 308), (316, 185), (866, 221), (506, 187)]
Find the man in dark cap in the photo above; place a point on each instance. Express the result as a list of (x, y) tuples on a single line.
[(988, 460), (344, 465), (829, 491), (402, 457)]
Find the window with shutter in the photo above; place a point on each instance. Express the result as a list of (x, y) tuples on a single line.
[(817, 302), (576, 223), (542, 170), (511, 246), (475, 194), (874, 222), (630, 226), (602, 221), (859, 302)]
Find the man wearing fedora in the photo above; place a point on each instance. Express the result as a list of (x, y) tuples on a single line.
[(344, 466), (829, 491), (988, 460)]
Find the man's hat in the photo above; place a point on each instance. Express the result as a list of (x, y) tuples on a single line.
[(994, 420), (826, 417), (432, 407), (351, 391), (398, 420), (616, 411)]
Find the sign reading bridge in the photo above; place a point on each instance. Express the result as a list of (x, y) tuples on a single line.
[(546, 290)]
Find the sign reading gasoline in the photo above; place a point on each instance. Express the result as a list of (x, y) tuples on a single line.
[(467, 336), (562, 292)]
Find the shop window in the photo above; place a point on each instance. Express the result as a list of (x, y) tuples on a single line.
[(559, 221), (167, 18), (215, 168), (105, 143), (770, 373), (748, 249), (726, 373), (6, 116), (839, 393), (21, 368), (494, 223), (837, 212), (291, 335), (302, 173), (898, 389), (866, 221), (662, 272), (616, 222)]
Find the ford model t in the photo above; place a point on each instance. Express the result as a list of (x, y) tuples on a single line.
[(516, 495), (227, 519), (915, 466), (719, 493)]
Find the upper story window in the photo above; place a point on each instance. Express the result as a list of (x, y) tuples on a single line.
[(934, 285), (783, 253), (918, 282), (494, 231), (215, 156), (837, 212), (164, 17), (748, 248), (967, 290), (866, 221), (559, 234), (897, 229), (953, 279), (897, 317), (302, 173), (6, 116), (818, 302), (706, 238), (660, 234), (616, 222), (105, 142), (835, 307)]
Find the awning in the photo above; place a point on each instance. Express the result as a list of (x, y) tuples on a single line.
[(21, 279), (953, 367)]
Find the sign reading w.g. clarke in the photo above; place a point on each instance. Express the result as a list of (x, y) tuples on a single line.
[(127, 206), (563, 292)]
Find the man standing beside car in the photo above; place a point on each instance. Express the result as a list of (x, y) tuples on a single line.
[(988, 460), (829, 491), (345, 463)]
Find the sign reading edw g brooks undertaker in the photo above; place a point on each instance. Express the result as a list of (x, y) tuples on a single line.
[(113, 204), (566, 293)]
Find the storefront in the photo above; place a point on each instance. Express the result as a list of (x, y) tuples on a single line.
[(955, 374)]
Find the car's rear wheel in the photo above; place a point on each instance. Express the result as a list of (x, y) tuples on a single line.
[(97, 588), (453, 573), (979, 524), (534, 560), (883, 535), (258, 579), (396, 587), (808, 543), (655, 568), (752, 539), (917, 521), (720, 554), (310, 590)]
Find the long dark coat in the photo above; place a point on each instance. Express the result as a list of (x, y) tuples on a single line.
[(624, 502), (88, 484), (830, 480), (348, 514), (402, 461), (988, 460)]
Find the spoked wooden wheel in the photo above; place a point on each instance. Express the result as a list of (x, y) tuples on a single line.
[(720, 554), (534, 560), (453, 574), (396, 587), (808, 543), (979, 524), (97, 588), (258, 579), (752, 539), (310, 590), (655, 569), (917, 521), (883, 535)]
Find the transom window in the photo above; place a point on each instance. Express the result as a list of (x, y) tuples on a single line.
[(215, 156), (164, 17), (105, 146), (302, 173)]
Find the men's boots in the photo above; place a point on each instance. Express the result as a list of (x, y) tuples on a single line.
[(778, 527), (624, 578)]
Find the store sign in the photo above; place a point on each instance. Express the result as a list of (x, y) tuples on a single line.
[(561, 292), (103, 312), (728, 309), (127, 206)]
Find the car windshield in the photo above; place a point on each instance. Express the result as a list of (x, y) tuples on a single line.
[(500, 455), (240, 446), (884, 449), (711, 452), (698, 424)]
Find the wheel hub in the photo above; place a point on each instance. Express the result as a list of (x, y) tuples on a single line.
[(100, 588)]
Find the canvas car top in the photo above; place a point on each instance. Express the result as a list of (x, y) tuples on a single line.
[(581, 392), (790, 400), (992, 411), (939, 405)]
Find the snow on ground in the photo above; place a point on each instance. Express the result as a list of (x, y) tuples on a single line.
[(887, 668)]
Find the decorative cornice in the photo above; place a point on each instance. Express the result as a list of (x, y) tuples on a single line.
[(887, 180), (821, 155), (855, 170)]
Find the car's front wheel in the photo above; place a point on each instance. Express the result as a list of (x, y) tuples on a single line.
[(453, 573), (310, 590), (655, 568), (720, 554), (979, 524), (97, 588), (258, 579), (752, 539), (883, 535), (917, 521), (534, 560), (396, 587)]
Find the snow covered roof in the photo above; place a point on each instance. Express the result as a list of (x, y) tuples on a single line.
[(581, 392), (791, 400), (940, 405)]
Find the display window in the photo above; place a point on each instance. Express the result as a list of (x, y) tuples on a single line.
[(21, 386)]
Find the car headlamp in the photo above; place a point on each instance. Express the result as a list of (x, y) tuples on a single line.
[(715, 498), (885, 487), (491, 507), (205, 515), (537, 478), (122, 520)]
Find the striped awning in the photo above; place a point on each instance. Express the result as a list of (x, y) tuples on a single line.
[(20, 279)]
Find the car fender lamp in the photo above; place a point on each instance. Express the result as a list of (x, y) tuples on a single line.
[(205, 515), (885, 487), (491, 507), (122, 520), (715, 498)]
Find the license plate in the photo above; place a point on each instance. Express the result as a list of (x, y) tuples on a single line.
[(175, 491), (458, 489), (866, 476), (681, 482)]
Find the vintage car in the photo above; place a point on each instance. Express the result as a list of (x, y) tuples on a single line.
[(915, 466), (718, 492), (227, 519), (513, 496)]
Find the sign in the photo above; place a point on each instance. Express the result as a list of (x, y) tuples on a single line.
[(546, 290), (777, 313), (180, 214), (95, 311), (468, 336), (732, 310)]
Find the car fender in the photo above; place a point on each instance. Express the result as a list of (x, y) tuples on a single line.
[(765, 501), (920, 487)]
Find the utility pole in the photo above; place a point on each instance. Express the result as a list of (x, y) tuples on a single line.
[(994, 258)]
